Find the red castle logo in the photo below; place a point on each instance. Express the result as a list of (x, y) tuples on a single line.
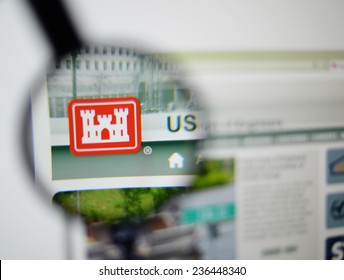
[(104, 126)]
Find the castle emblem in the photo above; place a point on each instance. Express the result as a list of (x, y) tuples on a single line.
[(104, 126), (105, 131)]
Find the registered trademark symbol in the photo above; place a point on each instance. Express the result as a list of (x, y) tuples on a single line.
[(147, 150)]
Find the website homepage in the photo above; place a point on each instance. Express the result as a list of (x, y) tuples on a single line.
[(241, 154)]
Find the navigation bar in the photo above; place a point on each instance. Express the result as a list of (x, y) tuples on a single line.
[(278, 138)]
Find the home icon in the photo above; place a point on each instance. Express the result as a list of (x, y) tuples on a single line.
[(176, 161)]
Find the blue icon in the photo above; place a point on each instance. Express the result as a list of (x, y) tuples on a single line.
[(335, 248), (335, 210), (335, 166)]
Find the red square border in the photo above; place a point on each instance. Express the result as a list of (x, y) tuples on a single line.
[(104, 126)]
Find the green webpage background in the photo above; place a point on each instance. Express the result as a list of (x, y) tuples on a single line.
[(67, 166)]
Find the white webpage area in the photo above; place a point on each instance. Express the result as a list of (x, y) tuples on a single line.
[(285, 131)]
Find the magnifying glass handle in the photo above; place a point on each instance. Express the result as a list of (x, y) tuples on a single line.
[(57, 25)]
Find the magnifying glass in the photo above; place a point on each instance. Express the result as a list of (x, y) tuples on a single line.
[(114, 118), (115, 131)]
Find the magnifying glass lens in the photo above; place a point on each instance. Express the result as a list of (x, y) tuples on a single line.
[(116, 132)]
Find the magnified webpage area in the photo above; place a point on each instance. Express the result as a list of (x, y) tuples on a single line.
[(261, 177)]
